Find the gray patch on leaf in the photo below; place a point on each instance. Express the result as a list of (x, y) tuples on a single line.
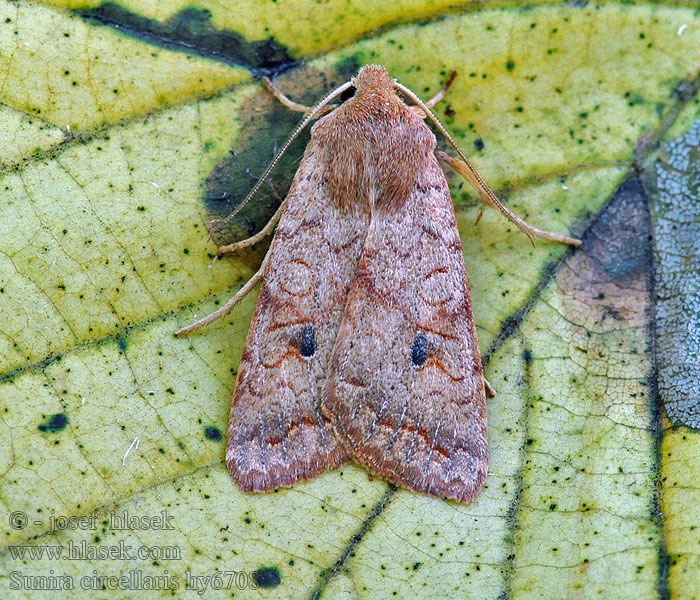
[(675, 217)]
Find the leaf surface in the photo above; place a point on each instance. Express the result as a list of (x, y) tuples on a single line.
[(129, 128)]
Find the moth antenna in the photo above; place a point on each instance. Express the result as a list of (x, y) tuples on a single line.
[(312, 115), (483, 188)]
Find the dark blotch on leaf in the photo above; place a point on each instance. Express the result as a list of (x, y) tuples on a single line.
[(267, 577), (191, 31), (264, 131), (121, 342), (628, 252), (349, 66), (479, 144), (212, 433), (55, 423)]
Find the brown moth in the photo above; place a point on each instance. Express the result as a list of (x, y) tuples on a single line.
[(363, 343)]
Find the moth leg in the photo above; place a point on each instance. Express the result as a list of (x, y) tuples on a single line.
[(437, 97), (489, 388), (441, 94), (228, 307), (466, 170), (289, 103), (263, 233)]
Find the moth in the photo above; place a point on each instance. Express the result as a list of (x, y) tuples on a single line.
[(363, 343)]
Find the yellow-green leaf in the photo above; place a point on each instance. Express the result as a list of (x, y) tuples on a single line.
[(129, 128)]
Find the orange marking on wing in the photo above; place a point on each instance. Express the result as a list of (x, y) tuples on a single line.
[(277, 326), (356, 383), (286, 233), (303, 422), (456, 245), (291, 352), (452, 338), (302, 262), (306, 421), (434, 361), (438, 270), (389, 424), (345, 246)]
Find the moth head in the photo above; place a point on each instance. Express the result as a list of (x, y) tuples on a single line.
[(374, 78)]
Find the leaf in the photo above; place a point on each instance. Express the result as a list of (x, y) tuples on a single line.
[(130, 128)]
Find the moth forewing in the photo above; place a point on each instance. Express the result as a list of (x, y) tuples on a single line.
[(277, 434), (405, 390)]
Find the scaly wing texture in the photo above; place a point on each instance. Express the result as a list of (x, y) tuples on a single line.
[(405, 391), (277, 434)]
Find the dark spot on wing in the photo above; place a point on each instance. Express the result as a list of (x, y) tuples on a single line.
[(419, 352), (307, 343)]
